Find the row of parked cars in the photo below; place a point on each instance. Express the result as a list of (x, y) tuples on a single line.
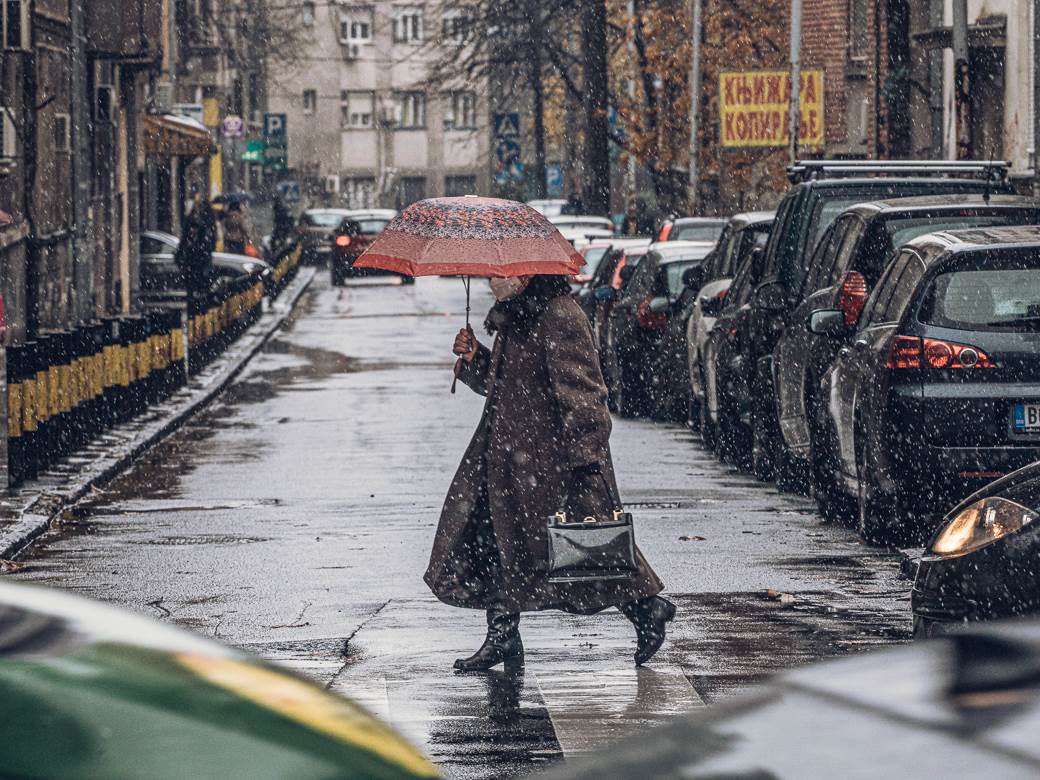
[(875, 343)]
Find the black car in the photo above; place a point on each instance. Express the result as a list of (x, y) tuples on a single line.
[(962, 706), (846, 265), (823, 189), (983, 563), (639, 321), (726, 370), (606, 287), (937, 389)]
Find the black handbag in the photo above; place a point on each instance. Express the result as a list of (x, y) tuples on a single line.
[(592, 548)]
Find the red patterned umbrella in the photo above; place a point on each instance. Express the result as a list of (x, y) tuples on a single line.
[(471, 236)]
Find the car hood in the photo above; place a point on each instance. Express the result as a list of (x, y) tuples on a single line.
[(967, 705)]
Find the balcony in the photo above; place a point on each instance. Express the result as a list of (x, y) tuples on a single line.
[(127, 30)]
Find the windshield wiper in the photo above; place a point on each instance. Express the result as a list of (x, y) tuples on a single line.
[(1014, 321)]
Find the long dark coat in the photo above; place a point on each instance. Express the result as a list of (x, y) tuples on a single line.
[(545, 415)]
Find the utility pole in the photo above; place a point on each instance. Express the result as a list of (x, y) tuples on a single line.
[(693, 193), (962, 78), (795, 116), (1036, 100), (597, 128), (630, 172)]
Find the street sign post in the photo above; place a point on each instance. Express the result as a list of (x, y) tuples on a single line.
[(508, 167), (276, 142)]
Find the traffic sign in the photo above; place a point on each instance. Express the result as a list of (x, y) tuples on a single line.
[(232, 127), (254, 151), (509, 167), (507, 124), (276, 143), (274, 125)]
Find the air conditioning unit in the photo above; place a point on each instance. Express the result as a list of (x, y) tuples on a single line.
[(163, 102), (351, 51), (104, 104)]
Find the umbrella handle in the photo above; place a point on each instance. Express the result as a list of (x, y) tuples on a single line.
[(455, 381)]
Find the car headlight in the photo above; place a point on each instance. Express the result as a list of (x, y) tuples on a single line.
[(980, 524)]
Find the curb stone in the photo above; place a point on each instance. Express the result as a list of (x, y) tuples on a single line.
[(43, 501)]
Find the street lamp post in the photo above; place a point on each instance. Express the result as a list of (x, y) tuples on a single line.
[(795, 117), (695, 93)]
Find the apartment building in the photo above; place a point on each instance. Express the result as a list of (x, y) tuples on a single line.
[(369, 121)]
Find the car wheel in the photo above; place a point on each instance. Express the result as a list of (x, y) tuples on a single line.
[(734, 439), (831, 501), (878, 514), (629, 403), (762, 465), (709, 435)]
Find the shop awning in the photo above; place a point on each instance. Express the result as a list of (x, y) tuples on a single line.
[(176, 136), (989, 32)]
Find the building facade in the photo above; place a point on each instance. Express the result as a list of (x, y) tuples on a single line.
[(368, 122)]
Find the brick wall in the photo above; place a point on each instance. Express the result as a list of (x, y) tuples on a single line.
[(825, 36)]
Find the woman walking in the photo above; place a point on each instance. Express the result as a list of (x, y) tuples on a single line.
[(541, 445)]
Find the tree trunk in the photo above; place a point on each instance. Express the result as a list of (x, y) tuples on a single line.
[(538, 93), (597, 130)]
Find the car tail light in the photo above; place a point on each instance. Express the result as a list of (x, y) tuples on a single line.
[(853, 297), (665, 231), (650, 320), (915, 352), (342, 240), (252, 251)]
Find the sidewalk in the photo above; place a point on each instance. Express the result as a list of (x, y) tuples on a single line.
[(28, 511)]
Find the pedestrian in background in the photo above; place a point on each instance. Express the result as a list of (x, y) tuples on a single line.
[(194, 255), (542, 444), (283, 221), (236, 229)]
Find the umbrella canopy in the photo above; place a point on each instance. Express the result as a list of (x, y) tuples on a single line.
[(471, 236)]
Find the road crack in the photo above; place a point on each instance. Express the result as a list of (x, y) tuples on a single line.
[(346, 642)]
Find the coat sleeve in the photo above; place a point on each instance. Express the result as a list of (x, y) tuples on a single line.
[(475, 374), (576, 383)]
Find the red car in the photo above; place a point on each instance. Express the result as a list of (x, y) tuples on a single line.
[(355, 233)]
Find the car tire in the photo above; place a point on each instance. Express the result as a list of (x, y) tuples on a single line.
[(832, 502), (879, 519), (762, 465), (709, 434), (734, 439)]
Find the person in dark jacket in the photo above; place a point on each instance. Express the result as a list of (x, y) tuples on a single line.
[(283, 222), (542, 444), (194, 255), (236, 229)]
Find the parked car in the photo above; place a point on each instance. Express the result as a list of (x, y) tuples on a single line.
[(823, 189), (316, 228), (982, 563), (962, 706), (92, 691), (596, 251), (160, 274), (552, 207), (727, 371), (844, 269), (581, 222), (693, 229), (351, 238), (639, 319), (936, 390), (743, 234)]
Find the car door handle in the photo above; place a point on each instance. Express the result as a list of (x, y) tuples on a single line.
[(861, 344), (844, 352)]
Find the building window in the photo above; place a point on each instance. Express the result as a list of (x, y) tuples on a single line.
[(408, 25), (456, 26), (355, 26), (8, 150), (456, 186), (858, 33), (308, 14), (310, 101), (409, 190), (62, 136), (358, 193), (358, 109), (411, 110), (460, 111), (15, 24)]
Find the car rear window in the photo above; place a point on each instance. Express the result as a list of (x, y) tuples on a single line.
[(669, 277), (593, 257), (370, 227), (1001, 299), (322, 220), (696, 232)]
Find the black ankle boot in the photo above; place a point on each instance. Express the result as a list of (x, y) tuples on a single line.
[(650, 616), (501, 645)]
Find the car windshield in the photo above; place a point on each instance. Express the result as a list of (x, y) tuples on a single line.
[(901, 230), (825, 213), (1003, 299), (697, 232), (322, 219)]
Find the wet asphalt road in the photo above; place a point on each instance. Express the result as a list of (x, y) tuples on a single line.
[(295, 516)]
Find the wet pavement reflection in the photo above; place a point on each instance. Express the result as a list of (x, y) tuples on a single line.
[(295, 516)]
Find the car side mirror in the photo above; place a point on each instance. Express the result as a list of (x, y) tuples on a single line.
[(711, 306), (827, 322), (771, 297), (757, 259), (603, 294), (626, 273), (660, 304), (693, 277)]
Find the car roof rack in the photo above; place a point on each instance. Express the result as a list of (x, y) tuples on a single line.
[(812, 170)]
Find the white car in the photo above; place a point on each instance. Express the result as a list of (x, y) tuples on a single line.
[(581, 238), (741, 236), (582, 223), (548, 208)]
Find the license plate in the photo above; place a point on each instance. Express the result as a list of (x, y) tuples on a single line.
[(1025, 418)]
